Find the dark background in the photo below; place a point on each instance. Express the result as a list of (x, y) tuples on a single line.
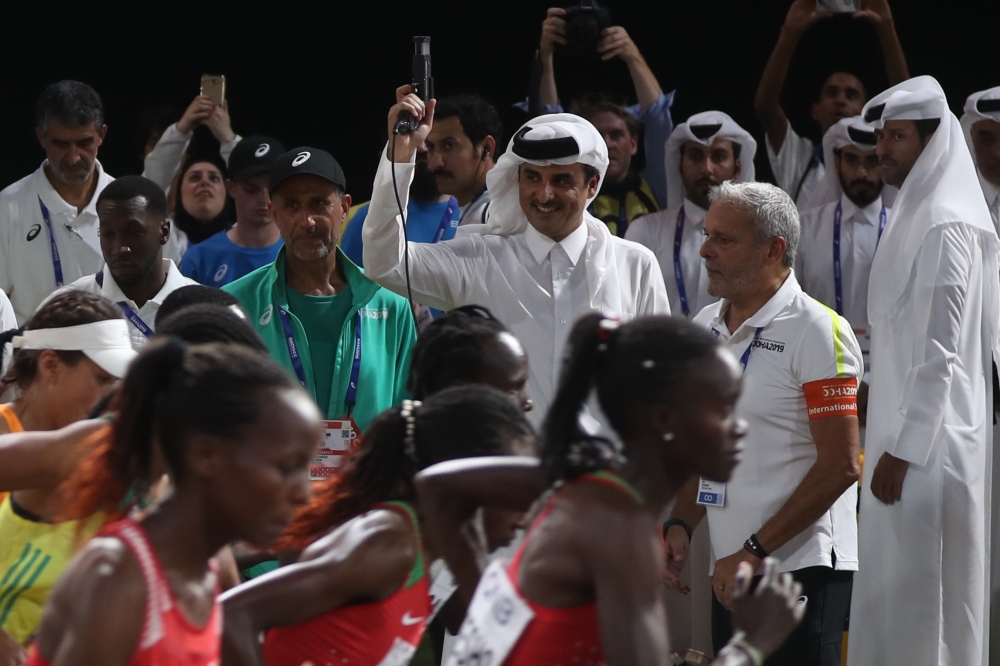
[(323, 74)]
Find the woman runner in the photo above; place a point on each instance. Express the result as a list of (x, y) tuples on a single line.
[(236, 434), (584, 587), (358, 593)]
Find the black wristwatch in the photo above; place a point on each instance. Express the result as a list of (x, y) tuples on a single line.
[(676, 521), (753, 545)]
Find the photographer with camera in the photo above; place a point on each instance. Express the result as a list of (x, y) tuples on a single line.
[(626, 193)]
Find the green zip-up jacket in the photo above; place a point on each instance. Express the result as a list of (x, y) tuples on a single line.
[(387, 337)]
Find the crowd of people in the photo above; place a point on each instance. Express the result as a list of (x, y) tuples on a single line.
[(537, 402)]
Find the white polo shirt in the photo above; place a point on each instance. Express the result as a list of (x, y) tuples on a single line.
[(27, 270), (803, 364), (858, 240), (113, 293), (658, 231)]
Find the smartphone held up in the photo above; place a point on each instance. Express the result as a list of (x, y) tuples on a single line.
[(214, 86), (838, 6)]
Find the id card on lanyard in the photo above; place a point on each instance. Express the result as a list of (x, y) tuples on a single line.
[(713, 493), (446, 219), (341, 436), (127, 310), (678, 269)]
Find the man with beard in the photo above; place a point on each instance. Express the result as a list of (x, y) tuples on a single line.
[(839, 238), (48, 220), (133, 230), (981, 124), (430, 215), (461, 149), (703, 152), (345, 338)]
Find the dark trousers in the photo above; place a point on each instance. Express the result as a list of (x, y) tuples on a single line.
[(815, 642)]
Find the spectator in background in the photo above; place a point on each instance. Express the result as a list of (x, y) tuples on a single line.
[(153, 121), (346, 339), (462, 149), (796, 161), (254, 240), (48, 220), (200, 204), (981, 124), (134, 230), (430, 215), (168, 154), (625, 193), (703, 152)]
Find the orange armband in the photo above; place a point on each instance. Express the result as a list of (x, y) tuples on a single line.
[(831, 397)]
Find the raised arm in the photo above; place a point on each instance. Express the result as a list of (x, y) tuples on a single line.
[(367, 559), (438, 272), (553, 32), (616, 43), (878, 12), (801, 15), (450, 492)]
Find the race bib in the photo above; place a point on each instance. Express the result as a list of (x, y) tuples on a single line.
[(496, 619), (711, 493), (832, 397), (443, 585), (339, 439), (399, 654)]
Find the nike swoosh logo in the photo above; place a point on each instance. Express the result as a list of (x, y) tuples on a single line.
[(409, 620)]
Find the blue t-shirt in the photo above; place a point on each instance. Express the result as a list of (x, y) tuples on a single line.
[(423, 220), (217, 261)]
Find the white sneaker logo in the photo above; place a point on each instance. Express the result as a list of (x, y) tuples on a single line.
[(301, 157), (262, 150), (409, 621)]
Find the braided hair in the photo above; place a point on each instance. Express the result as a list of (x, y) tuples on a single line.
[(631, 367)]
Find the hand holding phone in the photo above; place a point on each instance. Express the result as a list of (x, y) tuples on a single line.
[(214, 86), (838, 6)]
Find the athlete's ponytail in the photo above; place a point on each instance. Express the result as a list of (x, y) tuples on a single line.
[(171, 391), (459, 422), (630, 366)]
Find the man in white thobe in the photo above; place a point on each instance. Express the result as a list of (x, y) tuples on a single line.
[(703, 152), (934, 304), (981, 124), (539, 262)]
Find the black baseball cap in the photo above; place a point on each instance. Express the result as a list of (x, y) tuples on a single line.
[(306, 161), (254, 155)]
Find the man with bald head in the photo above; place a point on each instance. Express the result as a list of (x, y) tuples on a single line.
[(796, 161), (539, 262)]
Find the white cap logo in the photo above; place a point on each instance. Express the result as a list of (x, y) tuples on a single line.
[(301, 157), (262, 150)]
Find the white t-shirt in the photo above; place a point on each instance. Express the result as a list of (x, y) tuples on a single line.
[(858, 240), (27, 269), (657, 231), (796, 168), (113, 293), (803, 348)]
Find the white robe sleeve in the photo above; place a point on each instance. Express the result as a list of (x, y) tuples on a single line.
[(441, 274), (940, 288), (165, 159)]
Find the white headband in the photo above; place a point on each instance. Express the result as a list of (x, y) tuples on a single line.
[(107, 343)]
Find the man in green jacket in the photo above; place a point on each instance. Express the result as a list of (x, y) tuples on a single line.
[(347, 339)]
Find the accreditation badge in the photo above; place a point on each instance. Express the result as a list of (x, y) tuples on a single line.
[(711, 493), (340, 438)]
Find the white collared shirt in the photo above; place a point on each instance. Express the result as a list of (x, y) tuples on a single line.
[(858, 240), (27, 272), (800, 342), (537, 287), (795, 167), (113, 293), (656, 231)]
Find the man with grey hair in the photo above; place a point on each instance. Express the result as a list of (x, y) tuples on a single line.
[(48, 220), (794, 495)]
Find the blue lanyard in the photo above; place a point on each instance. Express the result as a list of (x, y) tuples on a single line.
[(472, 203), (678, 271), (352, 388), (838, 280), (446, 220), (746, 355), (130, 314), (56, 261)]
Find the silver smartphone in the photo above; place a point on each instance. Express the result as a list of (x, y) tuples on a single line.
[(838, 6)]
